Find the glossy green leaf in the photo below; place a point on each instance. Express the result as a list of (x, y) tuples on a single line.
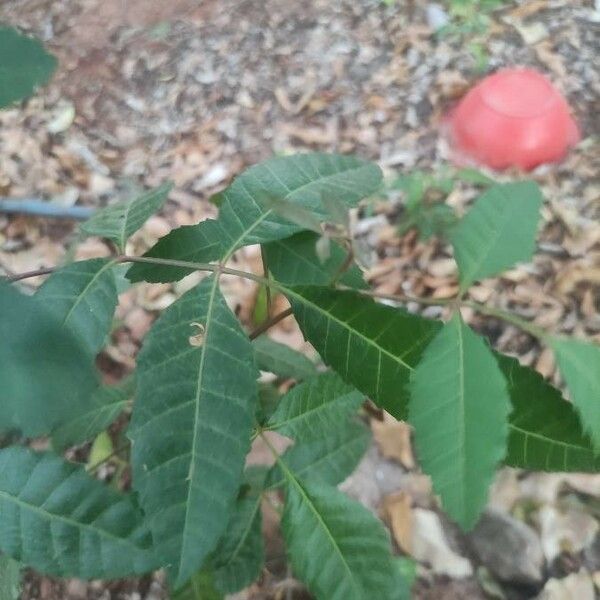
[(201, 586), (83, 297), (247, 215), (55, 518), (336, 546), (281, 360), (537, 439), (498, 232), (579, 364), (545, 433), (191, 425), (25, 65), (239, 558), (316, 407), (294, 261), (301, 179), (372, 346), (10, 579), (459, 408), (47, 374), (105, 405), (117, 222), (330, 459), (194, 243)]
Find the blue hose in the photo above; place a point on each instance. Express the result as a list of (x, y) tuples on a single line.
[(42, 208)]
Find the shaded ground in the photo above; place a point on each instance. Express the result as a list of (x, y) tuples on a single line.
[(194, 91)]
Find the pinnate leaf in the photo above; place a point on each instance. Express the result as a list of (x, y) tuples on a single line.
[(55, 518), (117, 222), (329, 459), (544, 429), (83, 297), (335, 545), (579, 364), (239, 557), (191, 425), (316, 407), (25, 66), (545, 433), (246, 213), (459, 408), (47, 374), (498, 232), (281, 360), (372, 346)]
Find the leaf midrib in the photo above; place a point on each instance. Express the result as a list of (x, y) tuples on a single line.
[(290, 476), (244, 535), (323, 407), (207, 326), (80, 297), (468, 277), (462, 416), (347, 326), (77, 524), (550, 441)]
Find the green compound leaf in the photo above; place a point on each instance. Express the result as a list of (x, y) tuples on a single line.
[(544, 431), (336, 546), (247, 214), (294, 261), (55, 518), (579, 364), (105, 405), (330, 459), (459, 408), (281, 360), (239, 558), (25, 65), (372, 346), (47, 374), (498, 232), (191, 425), (316, 407), (117, 222), (83, 297)]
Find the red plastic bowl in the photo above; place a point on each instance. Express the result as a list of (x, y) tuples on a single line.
[(515, 117)]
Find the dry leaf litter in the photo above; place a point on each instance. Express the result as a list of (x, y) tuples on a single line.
[(195, 91)]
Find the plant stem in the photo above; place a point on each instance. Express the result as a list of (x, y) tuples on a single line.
[(270, 322), (504, 315), (265, 266), (218, 268), (28, 274), (343, 267), (404, 298), (212, 267)]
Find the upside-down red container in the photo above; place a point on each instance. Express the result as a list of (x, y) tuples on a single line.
[(515, 117)]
